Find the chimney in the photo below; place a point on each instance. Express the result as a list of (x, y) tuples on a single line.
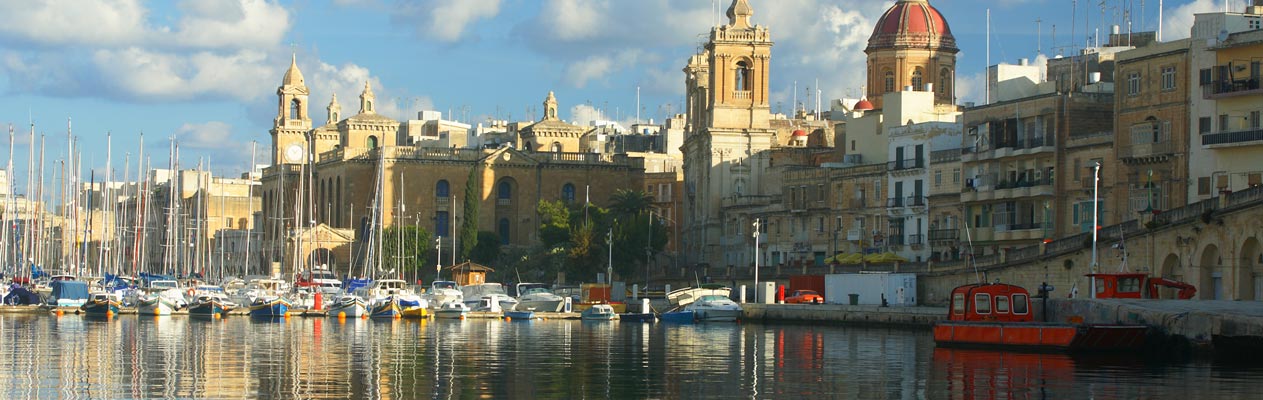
[(908, 88), (1094, 77), (1023, 62), (929, 87)]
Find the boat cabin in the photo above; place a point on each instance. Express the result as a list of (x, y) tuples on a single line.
[(999, 302)]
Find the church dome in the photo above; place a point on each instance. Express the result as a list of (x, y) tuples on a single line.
[(912, 24), (864, 105), (293, 77), (800, 133)]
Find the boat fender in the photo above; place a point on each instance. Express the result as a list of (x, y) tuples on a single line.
[(190, 292)]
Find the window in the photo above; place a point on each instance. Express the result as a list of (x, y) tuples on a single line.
[(1129, 285), (819, 192), (743, 76), (567, 193), (1002, 304), (1203, 125), (505, 191), (1223, 123), (333, 117), (556, 148), (1020, 303), (1254, 120), (982, 303), (372, 142), (442, 189), (944, 79), (368, 106), (938, 177), (1078, 171), (1203, 186), (504, 231), (1133, 84), (890, 81), (958, 303), (441, 222), (1254, 179), (294, 106), (955, 175), (1168, 78), (228, 222), (917, 80)]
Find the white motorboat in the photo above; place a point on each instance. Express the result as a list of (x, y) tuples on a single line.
[(494, 303), (388, 298), (452, 310), (348, 305), (443, 292), (474, 295), (715, 308), (599, 312), (537, 297)]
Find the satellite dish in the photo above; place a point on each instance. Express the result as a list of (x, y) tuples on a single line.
[(1223, 35)]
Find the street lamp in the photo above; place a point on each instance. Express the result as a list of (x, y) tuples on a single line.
[(438, 259), (609, 269), (1096, 213)]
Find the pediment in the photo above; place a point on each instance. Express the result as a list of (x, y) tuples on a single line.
[(322, 233), (511, 156)]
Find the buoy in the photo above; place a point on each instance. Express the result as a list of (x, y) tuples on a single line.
[(462, 318), (341, 314), (365, 316), (287, 314), (397, 316), (215, 316), (508, 319), (60, 313)]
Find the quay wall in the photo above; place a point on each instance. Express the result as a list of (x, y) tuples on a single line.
[(919, 317)]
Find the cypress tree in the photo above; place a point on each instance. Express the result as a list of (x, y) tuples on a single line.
[(469, 225)]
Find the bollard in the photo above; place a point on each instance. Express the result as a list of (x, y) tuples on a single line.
[(567, 307), (743, 294), (644, 306), (635, 291), (318, 301)]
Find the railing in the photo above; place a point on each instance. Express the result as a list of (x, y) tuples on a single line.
[(895, 202), (896, 240), (915, 201), (504, 202), (941, 156), (741, 94), (1024, 226), (1146, 149), (1024, 183), (1245, 196), (1229, 86), (944, 235), (905, 164), (1251, 135), (1186, 213), (917, 239)]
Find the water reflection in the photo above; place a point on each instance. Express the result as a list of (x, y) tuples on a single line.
[(173, 356)]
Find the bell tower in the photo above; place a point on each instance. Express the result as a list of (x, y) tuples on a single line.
[(912, 46), (292, 122), (728, 132)]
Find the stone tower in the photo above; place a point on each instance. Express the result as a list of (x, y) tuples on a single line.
[(911, 46), (727, 133), (289, 129)]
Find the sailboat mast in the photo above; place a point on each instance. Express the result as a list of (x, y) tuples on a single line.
[(7, 217), (250, 206)]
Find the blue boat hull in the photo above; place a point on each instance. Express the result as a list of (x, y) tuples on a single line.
[(637, 317), (96, 308), (520, 315), (386, 310), (207, 309), (273, 309), (679, 317)]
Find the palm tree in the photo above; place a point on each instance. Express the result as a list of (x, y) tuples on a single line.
[(630, 202)]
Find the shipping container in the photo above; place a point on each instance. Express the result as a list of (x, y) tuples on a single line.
[(868, 289)]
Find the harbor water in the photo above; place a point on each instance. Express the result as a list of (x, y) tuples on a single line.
[(179, 357)]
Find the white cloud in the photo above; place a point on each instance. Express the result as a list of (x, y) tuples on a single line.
[(575, 19), (148, 75), (971, 87), (444, 20), (598, 67), (347, 81), (1178, 22), (73, 22), (213, 135), (230, 24)]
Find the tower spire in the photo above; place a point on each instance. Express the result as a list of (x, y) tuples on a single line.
[(739, 14)]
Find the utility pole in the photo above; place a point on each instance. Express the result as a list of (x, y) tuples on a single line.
[(756, 261)]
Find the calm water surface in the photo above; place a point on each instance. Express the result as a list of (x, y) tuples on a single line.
[(178, 357)]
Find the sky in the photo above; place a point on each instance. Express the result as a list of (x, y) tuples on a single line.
[(205, 72)]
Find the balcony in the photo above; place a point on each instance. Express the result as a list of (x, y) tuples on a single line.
[(1233, 139), (944, 235), (902, 165), (916, 240), (741, 94), (895, 202), (1023, 188), (504, 202), (1224, 88), (1152, 149), (914, 201)]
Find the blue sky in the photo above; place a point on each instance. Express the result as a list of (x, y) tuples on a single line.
[(206, 71)]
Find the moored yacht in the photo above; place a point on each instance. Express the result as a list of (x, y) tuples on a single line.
[(442, 292), (537, 297)]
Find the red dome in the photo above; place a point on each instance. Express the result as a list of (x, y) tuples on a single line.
[(863, 105), (800, 133), (912, 23)]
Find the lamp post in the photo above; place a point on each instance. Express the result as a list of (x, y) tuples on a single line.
[(756, 260), (609, 268), (1096, 213), (438, 259)]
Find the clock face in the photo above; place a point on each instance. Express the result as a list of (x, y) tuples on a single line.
[(294, 153)]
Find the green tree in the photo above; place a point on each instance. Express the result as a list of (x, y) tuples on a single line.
[(469, 225), (625, 202), (554, 227), (405, 249), (488, 249)]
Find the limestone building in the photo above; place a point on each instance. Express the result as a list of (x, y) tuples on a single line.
[(1225, 103), (1151, 112), (344, 178), (911, 46)]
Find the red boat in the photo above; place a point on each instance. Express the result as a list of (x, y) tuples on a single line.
[(1138, 286), (998, 315)]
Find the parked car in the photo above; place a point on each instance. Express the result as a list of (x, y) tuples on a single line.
[(804, 297)]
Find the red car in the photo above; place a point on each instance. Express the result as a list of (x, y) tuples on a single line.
[(804, 297)]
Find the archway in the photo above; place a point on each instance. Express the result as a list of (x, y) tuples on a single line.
[(1249, 272), (1170, 269), (1210, 278), (321, 257)]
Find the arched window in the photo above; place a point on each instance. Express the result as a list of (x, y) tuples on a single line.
[(944, 79), (917, 80), (338, 206), (372, 142), (743, 76), (505, 191), (442, 189), (504, 231), (556, 147), (567, 193), (294, 106), (368, 105), (890, 82), (333, 118)]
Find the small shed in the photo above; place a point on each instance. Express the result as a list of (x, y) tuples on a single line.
[(470, 273)]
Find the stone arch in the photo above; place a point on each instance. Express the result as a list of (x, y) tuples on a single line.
[(1249, 270), (1210, 278), (321, 256), (1170, 269)]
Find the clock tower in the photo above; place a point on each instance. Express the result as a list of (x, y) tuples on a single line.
[(290, 127)]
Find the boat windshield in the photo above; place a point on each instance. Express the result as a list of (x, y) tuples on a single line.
[(713, 298), (537, 291), (323, 274), (164, 285), (215, 289), (443, 285)]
